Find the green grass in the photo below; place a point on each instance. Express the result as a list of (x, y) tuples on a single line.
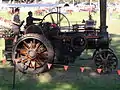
[(73, 79), (58, 79)]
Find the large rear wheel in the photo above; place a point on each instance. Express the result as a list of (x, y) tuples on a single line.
[(31, 53)]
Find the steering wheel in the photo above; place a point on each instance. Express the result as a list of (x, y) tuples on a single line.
[(57, 18)]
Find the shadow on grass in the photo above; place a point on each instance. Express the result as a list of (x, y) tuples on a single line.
[(58, 79)]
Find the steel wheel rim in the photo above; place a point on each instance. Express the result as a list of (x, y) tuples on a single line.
[(31, 53), (106, 60)]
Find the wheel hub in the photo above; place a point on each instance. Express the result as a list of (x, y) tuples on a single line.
[(32, 53)]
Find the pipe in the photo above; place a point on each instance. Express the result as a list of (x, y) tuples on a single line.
[(103, 7)]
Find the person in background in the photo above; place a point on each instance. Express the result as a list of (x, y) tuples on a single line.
[(30, 19), (110, 13)]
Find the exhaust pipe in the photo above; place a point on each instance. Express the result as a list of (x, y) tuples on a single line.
[(103, 7)]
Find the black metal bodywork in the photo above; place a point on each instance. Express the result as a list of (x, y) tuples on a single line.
[(64, 47)]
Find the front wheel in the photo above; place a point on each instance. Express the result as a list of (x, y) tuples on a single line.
[(106, 60)]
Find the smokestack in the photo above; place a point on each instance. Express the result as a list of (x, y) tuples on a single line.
[(103, 7)]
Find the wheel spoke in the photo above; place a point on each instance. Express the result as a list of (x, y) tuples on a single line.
[(41, 50), (39, 61), (38, 64), (25, 59), (32, 64), (108, 56), (26, 46), (22, 51), (99, 59), (43, 55), (101, 56), (60, 20), (37, 46), (100, 66), (33, 45), (22, 59), (53, 21)]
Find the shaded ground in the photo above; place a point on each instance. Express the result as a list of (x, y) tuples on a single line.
[(58, 79)]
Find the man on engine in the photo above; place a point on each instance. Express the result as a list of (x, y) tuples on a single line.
[(30, 19), (16, 23)]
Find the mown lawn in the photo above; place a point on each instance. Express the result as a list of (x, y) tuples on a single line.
[(73, 79)]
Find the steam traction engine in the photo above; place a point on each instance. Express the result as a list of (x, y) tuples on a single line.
[(47, 42)]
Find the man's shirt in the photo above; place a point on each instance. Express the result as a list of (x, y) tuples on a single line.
[(29, 20), (16, 19)]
